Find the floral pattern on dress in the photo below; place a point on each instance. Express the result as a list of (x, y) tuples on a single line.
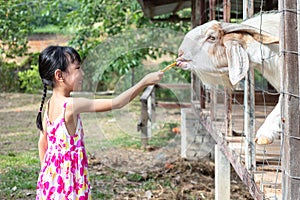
[(64, 173)]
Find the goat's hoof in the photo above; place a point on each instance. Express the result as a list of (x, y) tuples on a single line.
[(262, 140)]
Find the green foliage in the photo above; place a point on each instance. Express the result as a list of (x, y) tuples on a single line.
[(15, 17), (30, 80), (50, 28), (9, 76), (260, 82), (93, 22), (45, 12), (97, 21)]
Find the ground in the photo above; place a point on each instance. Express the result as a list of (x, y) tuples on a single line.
[(117, 172)]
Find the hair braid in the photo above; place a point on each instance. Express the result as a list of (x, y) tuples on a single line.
[(39, 122)]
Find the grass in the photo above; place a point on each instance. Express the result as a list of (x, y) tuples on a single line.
[(53, 29), (19, 173)]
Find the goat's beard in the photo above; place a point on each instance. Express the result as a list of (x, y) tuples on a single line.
[(213, 79)]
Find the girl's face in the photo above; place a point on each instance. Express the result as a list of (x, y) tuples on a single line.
[(74, 77)]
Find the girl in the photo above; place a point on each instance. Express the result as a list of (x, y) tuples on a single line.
[(64, 166)]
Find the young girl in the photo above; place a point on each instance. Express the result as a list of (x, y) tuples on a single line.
[(64, 166)]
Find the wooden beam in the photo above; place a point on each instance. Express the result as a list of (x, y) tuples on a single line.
[(248, 9), (198, 12), (213, 97), (212, 9), (249, 102), (144, 124), (228, 92), (226, 8), (290, 110)]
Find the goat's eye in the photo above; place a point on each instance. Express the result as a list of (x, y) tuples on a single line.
[(211, 38)]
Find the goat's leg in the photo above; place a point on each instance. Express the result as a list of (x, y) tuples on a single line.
[(270, 129)]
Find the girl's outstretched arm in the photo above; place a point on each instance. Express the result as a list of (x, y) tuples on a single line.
[(127, 96), (99, 105)]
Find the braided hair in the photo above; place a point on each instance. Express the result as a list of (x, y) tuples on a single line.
[(51, 59)]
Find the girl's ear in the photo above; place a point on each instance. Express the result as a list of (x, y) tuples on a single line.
[(58, 76)]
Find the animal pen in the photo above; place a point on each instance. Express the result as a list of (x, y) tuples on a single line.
[(232, 117)]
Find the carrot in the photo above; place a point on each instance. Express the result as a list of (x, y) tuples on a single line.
[(169, 67)]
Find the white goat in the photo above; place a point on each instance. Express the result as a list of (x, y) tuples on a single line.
[(221, 53)]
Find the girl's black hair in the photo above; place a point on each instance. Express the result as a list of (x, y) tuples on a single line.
[(51, 59)]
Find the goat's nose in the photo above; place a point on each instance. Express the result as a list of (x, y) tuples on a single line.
[(180, 53)]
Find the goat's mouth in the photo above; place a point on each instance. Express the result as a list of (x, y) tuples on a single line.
[(183, 63)]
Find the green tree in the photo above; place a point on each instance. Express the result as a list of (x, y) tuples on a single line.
[(97, 20), (15, 16), (93, 21), (45, 12)]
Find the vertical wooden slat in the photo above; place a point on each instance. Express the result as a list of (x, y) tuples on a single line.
[(146, 113), (212, 9), (222, 176), (248, 9), (228, 117), (290, 110), (228, 92), (298, 23), (249, 102), (198, 18), (226, 12), (144, 123), (198, 12), (213, 101)]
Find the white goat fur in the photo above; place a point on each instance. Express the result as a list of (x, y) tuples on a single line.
[(221, 53)]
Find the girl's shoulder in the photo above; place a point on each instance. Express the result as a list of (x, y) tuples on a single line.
[(78, 105)]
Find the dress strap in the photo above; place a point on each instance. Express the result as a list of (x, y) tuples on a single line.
[(65, 106), (47, 110), (64, 109)]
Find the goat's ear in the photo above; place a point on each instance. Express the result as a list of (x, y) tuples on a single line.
[(265, 39), (259, 35), (238, 61)]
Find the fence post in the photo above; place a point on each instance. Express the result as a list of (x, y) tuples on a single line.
[(146, 113), (249, 103), (290, 97), (228, 92)]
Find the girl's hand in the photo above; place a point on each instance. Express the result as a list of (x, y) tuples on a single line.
[(152, 78)]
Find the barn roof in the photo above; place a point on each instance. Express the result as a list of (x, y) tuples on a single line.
[(152, 8), (155, 8)]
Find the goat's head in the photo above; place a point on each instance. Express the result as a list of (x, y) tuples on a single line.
[(217, 51)]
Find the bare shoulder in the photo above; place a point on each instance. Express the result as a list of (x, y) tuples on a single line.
[(77, 105)]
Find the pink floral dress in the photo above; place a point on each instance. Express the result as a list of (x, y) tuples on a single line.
[(64, 173)]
